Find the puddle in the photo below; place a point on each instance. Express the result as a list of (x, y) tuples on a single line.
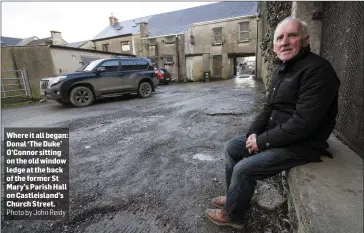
[(203, 157)]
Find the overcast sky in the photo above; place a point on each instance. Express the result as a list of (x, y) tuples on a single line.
[(77, 21)]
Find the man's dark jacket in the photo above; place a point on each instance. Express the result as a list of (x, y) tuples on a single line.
[(302, 105)]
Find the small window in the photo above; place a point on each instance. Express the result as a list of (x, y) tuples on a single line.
[(111, 66), (142, 64), (152, 41), (192, 39), (106, 47), (125, 46), (217, 35), (169, 39), (152, 51), (128, 64), (243, 34), (168, 59)]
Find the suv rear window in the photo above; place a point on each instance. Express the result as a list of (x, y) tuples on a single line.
[(142, 64), (128, 64), (111, 66)]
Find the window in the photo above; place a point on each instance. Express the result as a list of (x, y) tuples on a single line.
[(192, 39), (105, 47), (168, 59), (125, 46), (111, 66), (142, 64), (243, 34), (217, 35), (128, 64), (152, 41), (169, 39), (152, 51)]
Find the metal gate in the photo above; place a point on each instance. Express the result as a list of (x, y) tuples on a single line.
[(15, 83), (342, 45)]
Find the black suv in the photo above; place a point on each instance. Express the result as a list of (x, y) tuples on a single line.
[(102, 78)]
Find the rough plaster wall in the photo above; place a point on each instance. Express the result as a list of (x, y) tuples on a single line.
[(189, 69), (37, 61), (164, 49), (203, 37), (304, 11), (203, 42), (67, 61), (189, 48), (262, 70), (115, 45), (182, 59), (197, 68), (138, 45)]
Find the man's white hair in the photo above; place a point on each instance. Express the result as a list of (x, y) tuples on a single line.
[(303, 27)]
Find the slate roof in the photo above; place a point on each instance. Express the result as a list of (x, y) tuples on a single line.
[(177, 22), (76, 44), (121, 28), (39, 41), (25, 41), (9, 41)]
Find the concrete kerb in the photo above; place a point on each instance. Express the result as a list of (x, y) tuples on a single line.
[(328, 196)]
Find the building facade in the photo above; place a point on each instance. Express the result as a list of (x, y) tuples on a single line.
[(209, 38)]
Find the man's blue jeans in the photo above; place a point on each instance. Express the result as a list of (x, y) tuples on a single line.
[(244, 169)]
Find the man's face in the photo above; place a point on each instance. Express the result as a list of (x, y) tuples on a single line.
[(287, 40)]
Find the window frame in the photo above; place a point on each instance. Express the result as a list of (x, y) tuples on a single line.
[(240, 31), (122, 67), (107, 45), (167, 41), (166, 62), (102, 65), (214, 41), (121, 45)]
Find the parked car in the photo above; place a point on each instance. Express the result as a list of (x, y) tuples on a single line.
[(102, 78), (166, 76)]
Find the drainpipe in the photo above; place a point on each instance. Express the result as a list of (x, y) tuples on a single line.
[(178, 66)]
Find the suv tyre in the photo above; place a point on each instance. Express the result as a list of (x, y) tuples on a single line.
[(145, 89), (81, 96)]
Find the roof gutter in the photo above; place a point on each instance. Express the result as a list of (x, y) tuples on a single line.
[(152, 37), (108, 38), (224, 20)]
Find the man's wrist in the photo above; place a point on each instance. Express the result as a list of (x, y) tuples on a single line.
[(263, 142)]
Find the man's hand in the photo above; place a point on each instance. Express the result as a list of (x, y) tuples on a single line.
[(251, 143)]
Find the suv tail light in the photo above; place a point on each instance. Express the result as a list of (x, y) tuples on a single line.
[(158, 73)]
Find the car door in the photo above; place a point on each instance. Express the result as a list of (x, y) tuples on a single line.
[(109, 80), (129, 74)]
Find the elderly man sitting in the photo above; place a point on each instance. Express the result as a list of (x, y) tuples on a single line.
[(291, 130)]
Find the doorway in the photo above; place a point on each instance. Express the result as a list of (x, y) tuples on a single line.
[(217, 66)]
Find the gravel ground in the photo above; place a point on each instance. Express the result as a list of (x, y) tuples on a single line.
[(151, 165)]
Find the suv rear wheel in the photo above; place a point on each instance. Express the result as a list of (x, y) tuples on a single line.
[(145, 89), (81, 96)]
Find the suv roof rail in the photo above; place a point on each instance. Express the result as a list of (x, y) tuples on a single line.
[(121, 56)]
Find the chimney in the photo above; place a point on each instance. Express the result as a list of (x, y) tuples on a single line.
[(112, 20), (143, 29), (56, 37)]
